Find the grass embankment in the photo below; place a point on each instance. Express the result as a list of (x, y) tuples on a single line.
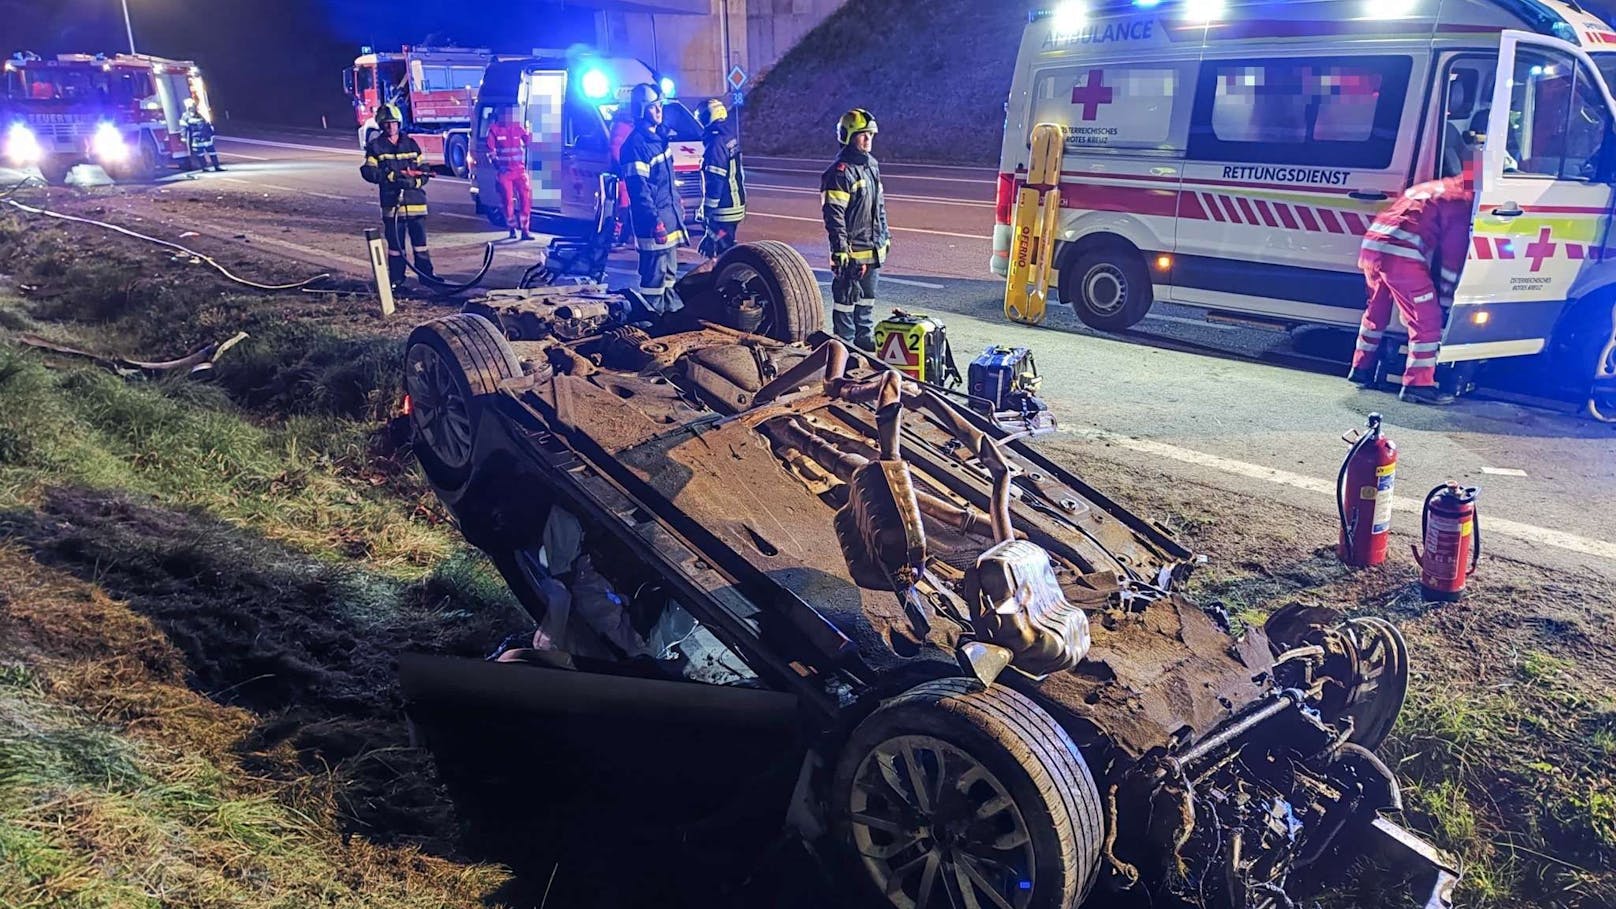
[(1506, 748), (202, 590), (935, 74)]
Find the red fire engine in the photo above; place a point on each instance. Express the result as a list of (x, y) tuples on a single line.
[(433, 88), (121, 112)]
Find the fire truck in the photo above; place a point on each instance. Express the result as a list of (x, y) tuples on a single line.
[(433, 88), (569, 102), (121, 112)]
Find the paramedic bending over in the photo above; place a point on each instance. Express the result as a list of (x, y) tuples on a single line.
[(1424, 234)]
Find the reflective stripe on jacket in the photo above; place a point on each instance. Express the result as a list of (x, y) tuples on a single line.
[(507, 144), (400, 194), (854, 207), (653, 199), (723, 178), (1429, 224)]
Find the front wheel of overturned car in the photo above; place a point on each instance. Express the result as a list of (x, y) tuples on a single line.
[(1109, 286), (954, 795), (451, 366), (781, 280)]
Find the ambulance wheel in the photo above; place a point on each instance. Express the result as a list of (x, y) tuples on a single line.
[(452, 366), (781, 279), (455, 153), (951, 794), (1108, 286)]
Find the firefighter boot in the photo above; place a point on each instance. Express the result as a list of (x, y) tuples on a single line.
[(395, 269), (1425, 394), (423, 265)]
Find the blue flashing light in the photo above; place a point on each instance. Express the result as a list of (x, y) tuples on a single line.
[(1147, 4), (1027, 885), (667, 87), (596, 84)]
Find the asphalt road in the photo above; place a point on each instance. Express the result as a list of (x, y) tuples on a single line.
[(1257, 412)]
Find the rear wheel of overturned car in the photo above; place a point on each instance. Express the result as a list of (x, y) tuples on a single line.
[(954, 795), (451, 366), (1108, 285), (781, 280)]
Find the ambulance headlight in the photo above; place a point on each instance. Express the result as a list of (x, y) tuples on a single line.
[(667, 87), (595, 84), (1069, 17), (108, 145), (22, 146)]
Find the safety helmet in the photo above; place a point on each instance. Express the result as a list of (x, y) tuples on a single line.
[(858, 120), (711, 111), (386, 114), (641, 98), (190, 104)]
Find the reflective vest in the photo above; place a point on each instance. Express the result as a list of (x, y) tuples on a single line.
[(653, 197), (723, 179), (855, 208), (401, 195)]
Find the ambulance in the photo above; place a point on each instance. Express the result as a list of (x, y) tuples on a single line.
[(433, 89), (568, 102), (1230, 155), (121, 112)]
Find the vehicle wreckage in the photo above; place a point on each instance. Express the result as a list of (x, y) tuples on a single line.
[(1006, 699)]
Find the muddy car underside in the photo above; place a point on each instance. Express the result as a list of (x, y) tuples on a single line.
[(1008, 701)]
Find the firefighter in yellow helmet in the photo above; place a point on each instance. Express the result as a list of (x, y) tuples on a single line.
[(723, 178), (393, 161), (855, 214)]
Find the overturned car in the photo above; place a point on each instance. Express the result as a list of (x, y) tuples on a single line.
[(1000, 696)]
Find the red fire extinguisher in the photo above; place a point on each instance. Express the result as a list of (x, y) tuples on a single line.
[(1363, 494), (1451, 528)]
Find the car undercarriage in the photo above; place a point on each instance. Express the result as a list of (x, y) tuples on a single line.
[(1004, 695)]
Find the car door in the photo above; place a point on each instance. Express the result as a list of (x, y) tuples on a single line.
[(1542, 200)]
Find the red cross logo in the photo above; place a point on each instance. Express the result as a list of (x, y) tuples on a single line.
[(1540, 249), (1092, 95)]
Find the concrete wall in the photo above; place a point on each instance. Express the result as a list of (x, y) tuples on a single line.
[(698, 47)]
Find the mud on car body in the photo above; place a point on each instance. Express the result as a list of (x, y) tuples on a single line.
[(1001, 695)]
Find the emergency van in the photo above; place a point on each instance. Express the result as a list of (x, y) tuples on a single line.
[(568, 103), (120, 112), (432, 87), (1231, 155)]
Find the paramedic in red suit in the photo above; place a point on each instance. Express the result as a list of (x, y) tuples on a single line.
[(622, 128), (506, 146), (1423, 235)]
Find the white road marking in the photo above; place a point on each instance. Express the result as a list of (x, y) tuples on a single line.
[(1527, 533), (294, 145), (318, 255), (904, 281), (1504, 471), (1198, 323), (242, 156), (910, 230), (286, 189), (891, 197)]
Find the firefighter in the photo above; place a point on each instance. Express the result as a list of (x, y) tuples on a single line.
[(507, 150), (198, 134), (393, 161), (723, 179), (654, 209), (855, 212), (1423, 235)]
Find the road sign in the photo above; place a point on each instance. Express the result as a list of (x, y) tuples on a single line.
[(737, 98), (737, 77)]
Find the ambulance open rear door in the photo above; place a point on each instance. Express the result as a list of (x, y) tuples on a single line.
[(1543, 202)]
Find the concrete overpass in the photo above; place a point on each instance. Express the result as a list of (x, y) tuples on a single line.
[(698, 41)]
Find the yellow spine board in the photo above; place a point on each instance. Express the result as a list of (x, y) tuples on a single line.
[(1032, 228)]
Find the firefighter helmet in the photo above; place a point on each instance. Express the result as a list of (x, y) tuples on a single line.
[(858, 120), (711, 111), (641, 98), (386, 114)]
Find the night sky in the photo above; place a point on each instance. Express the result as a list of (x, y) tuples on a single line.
[(281, 60)]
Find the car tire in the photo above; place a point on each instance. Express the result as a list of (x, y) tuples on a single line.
[(1108, 286), (794, 307), (54, 170), (455, 154), (452, 365), (932, 737)]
